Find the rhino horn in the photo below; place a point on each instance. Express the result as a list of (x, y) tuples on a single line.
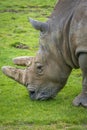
[(23, 60), (14, 73), (43, 27)]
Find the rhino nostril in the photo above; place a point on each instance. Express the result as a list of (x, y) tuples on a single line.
[(32, 92), (32, 95)]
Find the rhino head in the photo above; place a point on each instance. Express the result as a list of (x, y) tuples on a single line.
[(45, 74)]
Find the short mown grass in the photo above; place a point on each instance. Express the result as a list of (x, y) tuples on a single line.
[(17, 111)]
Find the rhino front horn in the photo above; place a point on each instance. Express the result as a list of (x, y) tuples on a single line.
[(14, 73), (43, 27)]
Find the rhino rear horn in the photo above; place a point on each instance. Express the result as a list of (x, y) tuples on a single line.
[(43, 27), (23, 60)]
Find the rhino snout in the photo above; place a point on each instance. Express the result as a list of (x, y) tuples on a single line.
[(40, 95)]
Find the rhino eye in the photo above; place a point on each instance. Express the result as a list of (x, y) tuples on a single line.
[(39, 68)]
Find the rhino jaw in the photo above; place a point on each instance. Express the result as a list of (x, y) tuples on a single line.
[(14, 73)]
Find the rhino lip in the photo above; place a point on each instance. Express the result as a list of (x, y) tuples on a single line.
[(44, 98), (41, 96)]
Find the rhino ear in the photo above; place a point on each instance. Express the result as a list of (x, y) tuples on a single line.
[(43, 27)]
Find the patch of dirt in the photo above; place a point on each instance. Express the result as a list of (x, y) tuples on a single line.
[(20, 45), (9, 10), (25, 9), (19, 11), (44, 6)]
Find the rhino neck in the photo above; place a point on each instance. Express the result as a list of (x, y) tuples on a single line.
[(59, 22)]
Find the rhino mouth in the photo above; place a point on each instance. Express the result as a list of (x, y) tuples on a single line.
[(42, 94)]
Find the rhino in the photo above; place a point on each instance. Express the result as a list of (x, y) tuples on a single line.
[(62, 47)]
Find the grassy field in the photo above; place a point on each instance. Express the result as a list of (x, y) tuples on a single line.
[(17, 111)]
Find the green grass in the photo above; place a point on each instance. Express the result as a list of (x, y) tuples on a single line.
[(17, 111)]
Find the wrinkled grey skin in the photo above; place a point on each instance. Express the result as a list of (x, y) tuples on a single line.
[(63, 46)]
